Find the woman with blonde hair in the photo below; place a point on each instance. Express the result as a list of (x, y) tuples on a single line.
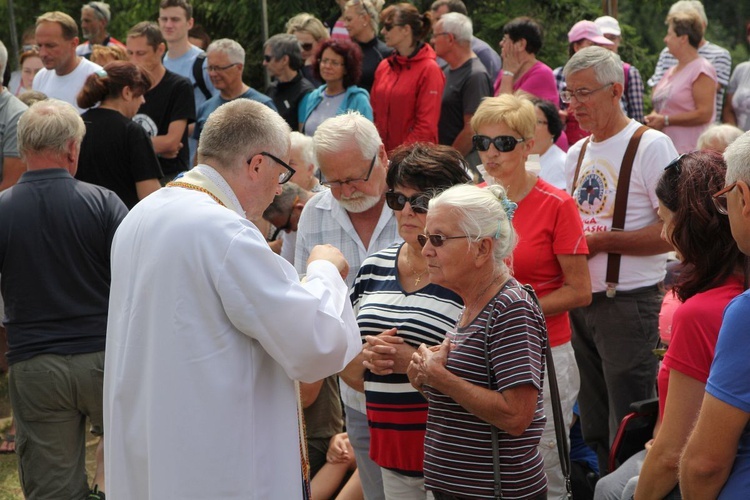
[(310, 32), (361, 20)]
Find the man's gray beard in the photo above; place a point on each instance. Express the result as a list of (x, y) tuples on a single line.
[(360, 203), (86, 35)]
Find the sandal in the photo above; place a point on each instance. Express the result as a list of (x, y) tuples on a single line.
[(9, 444)]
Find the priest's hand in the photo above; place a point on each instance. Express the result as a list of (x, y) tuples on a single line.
[(332, 255)]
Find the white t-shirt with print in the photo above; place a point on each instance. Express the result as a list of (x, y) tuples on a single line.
[(595, 190)]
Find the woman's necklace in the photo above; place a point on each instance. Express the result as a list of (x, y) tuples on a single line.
[(418, 276), (480, 303)]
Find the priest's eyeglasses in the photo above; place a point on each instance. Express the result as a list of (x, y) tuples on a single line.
[(283, 178)]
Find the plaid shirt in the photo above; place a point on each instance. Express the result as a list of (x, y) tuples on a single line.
[(719, 57)]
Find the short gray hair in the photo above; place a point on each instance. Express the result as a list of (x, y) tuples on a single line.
[(457, 25), (48, 127), (232, 49), (338, 133), (101, 10), (242, 127), (285, 44), (721, 135), (689, 5), (481, 214), (607, 65), (737, 157), (3, 58), (305, 145)]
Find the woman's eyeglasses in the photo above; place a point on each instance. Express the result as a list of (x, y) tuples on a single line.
[(397, 201), (307, 47), (503, 143), (267, 58), (720, 199), (436, 240)]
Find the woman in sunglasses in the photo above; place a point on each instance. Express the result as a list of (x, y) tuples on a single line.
[(408, 87), (398, 308), (552, 253), (713, 272), (310, 33), (483, 383), (339, 65)]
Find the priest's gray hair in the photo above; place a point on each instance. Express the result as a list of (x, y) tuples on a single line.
[(737, 157), (242, 128), (234, 51), (340, 132), (48, 127), (481, 214), (607, 65)]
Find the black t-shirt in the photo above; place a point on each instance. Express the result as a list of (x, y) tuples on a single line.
[(116, 153), (287, 96), (373, 52), (465, 87), (55, 240), (171, 100)]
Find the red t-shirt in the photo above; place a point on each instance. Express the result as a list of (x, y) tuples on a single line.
[(548, 225), (695, 328)]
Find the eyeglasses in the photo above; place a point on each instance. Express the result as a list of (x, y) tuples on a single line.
[(267, 58), (331, 62), (397, 201), (436, 240), (542, 122), (503, 143), (390, 26), (216, 69), (306, 46), (288, 224), (284, 177), (435, 35), (720, 199), (352, 182), (582, 95)]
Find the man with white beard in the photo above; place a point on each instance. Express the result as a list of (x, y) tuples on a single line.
[(353, 217)]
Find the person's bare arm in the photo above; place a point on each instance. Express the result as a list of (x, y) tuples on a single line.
[(727, 115), (309, 392), (644, 241), (711, 449), (462, 142), (704, 95), (145, 188), (13, 168), (169, 145), (354, 373), (659, 472), (576, 288)]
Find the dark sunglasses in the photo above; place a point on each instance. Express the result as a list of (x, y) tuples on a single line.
[(267, 58), (306, 46), (503, 143), (390, 26), (436, 240), (397, 201)]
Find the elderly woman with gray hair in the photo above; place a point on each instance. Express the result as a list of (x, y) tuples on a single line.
[(483, 384), (282, 58)]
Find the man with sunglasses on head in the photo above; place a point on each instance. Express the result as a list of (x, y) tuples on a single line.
[(353, 217), (209, 329), (613, 337), (226, 60), (95, 17)]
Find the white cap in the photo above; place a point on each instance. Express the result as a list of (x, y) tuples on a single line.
[(608, 25)]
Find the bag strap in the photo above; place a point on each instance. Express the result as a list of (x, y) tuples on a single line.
[(498, 494), (198, 75), (578, 165), (621, 205)]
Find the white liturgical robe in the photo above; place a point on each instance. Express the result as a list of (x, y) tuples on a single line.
[(207, 330)]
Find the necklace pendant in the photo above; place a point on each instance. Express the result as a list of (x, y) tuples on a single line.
[(416, 281)]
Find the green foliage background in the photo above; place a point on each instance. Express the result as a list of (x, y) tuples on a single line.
[(642, 22)]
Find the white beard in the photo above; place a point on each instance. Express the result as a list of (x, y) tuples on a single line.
[(358, 202)]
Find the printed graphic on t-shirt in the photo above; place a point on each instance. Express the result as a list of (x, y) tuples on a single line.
[(595, 195), (147, 123)]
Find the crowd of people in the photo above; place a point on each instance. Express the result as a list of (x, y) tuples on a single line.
[(356, 282)]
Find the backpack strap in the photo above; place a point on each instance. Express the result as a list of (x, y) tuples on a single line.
[(200, 82)]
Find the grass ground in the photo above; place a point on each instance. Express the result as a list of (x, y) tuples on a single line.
[(10, 488)]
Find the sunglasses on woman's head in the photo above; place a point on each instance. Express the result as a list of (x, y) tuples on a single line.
[(397, 201), (503, 143)]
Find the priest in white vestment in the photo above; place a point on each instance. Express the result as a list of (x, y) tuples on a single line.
[(208, 328)]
